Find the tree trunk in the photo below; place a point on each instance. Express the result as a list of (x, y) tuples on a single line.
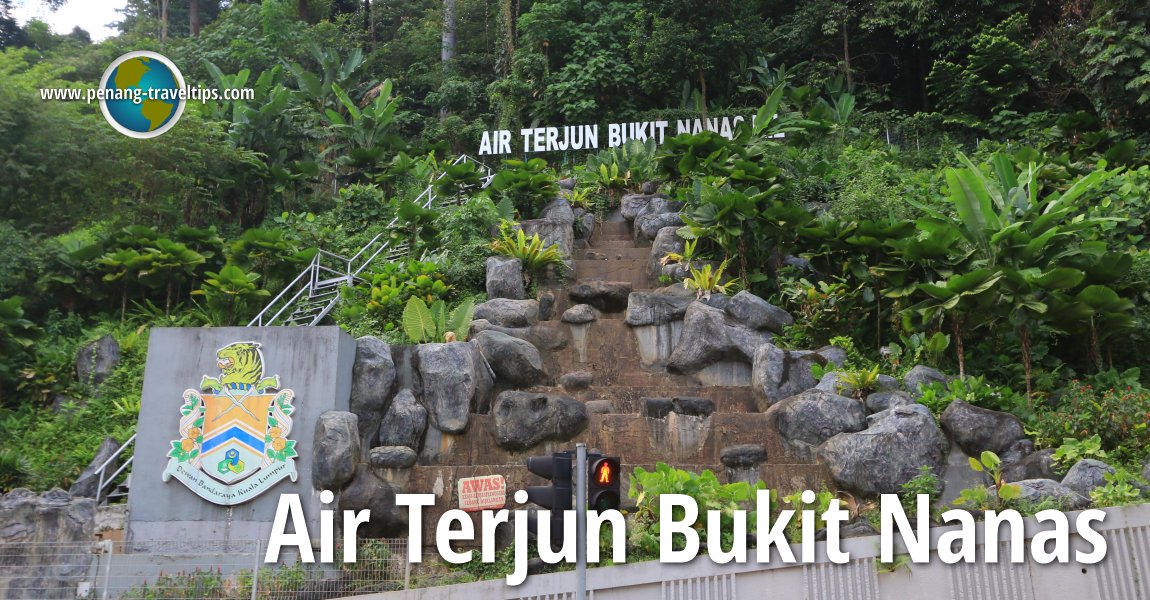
[(303, 10), (956, 328), (703, 98), (847, 53), (507, 12), (194, 17), (447, 52), (1024, 335), (164, 20)]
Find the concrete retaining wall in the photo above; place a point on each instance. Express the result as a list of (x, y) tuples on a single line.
[(1123, 575)]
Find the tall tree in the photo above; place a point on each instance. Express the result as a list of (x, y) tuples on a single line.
[(447, 51), (303, 10), (10, 32), (164, 20), (194, 17)]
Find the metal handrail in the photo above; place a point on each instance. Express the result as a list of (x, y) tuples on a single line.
[(353, 266), (103, 468)]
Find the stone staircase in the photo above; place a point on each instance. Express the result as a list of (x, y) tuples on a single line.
[(627, 401)]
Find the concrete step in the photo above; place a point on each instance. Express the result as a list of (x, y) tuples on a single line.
[(632, 270), (608, 253), (612, 230)]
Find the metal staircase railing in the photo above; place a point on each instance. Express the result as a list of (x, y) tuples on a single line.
[(107, 480), (314, 293)]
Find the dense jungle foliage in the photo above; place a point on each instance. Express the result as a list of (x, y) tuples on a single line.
[(963, 186)]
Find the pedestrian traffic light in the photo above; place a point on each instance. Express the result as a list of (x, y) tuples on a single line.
[(557, 496), (603, 483)]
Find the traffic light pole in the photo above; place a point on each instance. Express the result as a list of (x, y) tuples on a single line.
[(581, 521)]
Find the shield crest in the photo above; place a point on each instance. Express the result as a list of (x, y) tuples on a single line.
[(234, 427)]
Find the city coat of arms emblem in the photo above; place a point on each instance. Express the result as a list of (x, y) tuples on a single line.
[(234, 430)]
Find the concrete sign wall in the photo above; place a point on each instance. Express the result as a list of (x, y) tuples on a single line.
[(226, 427), (1123, 575)]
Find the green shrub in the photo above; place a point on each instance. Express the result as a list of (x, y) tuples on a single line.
[(646, 486), (926, 482), (529, 250), (872, 186), (1119, 417), (972, 390), (528, 185)]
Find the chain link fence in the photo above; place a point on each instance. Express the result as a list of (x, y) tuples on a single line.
[(232, 570)]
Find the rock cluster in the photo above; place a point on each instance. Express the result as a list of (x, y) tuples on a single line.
[(43, 527)]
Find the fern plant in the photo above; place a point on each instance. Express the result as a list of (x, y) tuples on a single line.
[(707, 281), (685, 258), (529, 250), (425, 324), (860, 382)]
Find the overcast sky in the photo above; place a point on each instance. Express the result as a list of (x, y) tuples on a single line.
[(93, 16)]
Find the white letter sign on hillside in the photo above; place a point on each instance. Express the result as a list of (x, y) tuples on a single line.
[(488, 492), (586, 137)]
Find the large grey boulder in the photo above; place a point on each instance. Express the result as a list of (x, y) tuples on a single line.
[(1017, 451), (559, 210), (577, 381), (505, 312), (813, 417), (515, 361), (37, 529), (647, 226), (554, 231), (607, 296), (525, 419), (659, 204), (880, 401), (777, 373), (405, 422), (709, 336), (96, 360), (580, 314), (743, 456), (890, 453), (505, 278), (584, 224), (666, 242), (890, 412), (392, 457), (29, 519), (1037, 465), (368, 492), (977, 429), (456, 381), (835, 355), (335, 450), (756, 313), (659, 306), (631, 205), (922, 375), (1086, 475), (87, 483), (1038, 490), (545, 336), (372, 382), (835, 383)]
